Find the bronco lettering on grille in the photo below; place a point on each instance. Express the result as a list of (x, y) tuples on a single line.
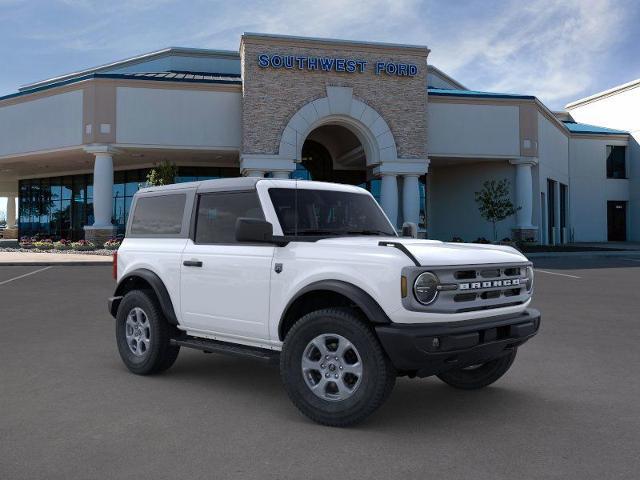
[(489, 284)]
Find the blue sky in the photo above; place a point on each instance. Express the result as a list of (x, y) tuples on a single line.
[(557, 50)]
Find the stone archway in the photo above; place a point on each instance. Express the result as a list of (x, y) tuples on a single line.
[(339, 107)]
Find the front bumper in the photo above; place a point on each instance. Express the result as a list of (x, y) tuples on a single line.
[(426, 350)]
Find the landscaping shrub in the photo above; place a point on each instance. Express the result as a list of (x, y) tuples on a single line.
[(112, 244), (83, 245), (62, 245)]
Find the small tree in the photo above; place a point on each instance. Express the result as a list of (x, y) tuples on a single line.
[(494, 203), (163, 174)]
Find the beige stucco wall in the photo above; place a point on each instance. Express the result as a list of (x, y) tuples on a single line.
[(272, 96), (50, 122), (178, 117), (473, 129)]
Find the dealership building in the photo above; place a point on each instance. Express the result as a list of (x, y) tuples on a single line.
[(75, 148)]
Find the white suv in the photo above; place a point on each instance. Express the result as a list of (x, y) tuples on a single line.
[(313, 275)]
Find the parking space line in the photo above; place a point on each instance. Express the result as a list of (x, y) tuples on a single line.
[(632, 259), (556, 273), (25, 275)]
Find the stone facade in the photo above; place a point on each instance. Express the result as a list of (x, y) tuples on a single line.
[(272, 96)]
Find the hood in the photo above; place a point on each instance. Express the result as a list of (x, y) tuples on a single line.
[(435, 253)]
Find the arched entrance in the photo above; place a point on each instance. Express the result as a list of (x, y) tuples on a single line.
[(333, 153)]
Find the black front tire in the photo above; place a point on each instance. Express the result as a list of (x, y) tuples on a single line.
[(378, 375), (479, 376), (160, 354)]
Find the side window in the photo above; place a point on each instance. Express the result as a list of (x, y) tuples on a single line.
[(616, 167), (159, 215), (218, 212)]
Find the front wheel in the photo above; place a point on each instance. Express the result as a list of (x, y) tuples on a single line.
[(143, 334), (481, 375), (334, 369)]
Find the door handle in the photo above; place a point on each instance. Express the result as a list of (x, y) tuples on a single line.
[(192, 263)]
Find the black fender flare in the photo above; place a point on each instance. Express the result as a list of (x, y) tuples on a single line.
[(158, 288), (371, 309)]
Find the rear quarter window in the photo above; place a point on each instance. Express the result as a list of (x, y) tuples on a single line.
[(158, 215)]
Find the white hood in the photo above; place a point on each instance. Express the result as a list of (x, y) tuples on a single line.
[(436, 253)]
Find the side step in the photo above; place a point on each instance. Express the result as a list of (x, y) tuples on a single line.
[(215, 346)]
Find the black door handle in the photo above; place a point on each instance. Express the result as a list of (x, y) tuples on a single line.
[(192, 263)]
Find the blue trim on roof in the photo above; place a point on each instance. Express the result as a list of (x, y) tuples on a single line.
[(445, 92), (585, 128), (226, 79)]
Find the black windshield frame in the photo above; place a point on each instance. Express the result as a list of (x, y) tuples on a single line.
[(311, 214)]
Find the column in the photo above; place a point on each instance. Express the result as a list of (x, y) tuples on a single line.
[(389, 196), (411, 198), (102, 190), (102, 228), (254, 173), (281, 174), (524, 198), (11, 211)]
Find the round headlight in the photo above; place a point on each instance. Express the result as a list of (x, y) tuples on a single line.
[(425, 288), (529, 279)]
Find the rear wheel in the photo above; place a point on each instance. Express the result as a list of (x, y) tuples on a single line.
[(334, 369), (481, 375), (143, 334)]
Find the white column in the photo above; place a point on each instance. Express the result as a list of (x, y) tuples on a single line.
[(11, 212), (411, 198), (281, 174), (103, 189), (389, 196), (524, 194), (254, 173)]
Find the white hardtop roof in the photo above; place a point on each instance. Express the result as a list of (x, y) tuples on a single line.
[(247, 183)]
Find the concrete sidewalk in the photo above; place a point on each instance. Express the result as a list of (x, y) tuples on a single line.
[(37, 259)]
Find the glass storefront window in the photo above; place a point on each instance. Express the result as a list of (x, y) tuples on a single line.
[(59, 207)]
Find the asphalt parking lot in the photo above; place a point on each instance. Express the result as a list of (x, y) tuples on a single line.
[(569, 407)]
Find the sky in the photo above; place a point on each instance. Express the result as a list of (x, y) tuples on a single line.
[(557, 50)]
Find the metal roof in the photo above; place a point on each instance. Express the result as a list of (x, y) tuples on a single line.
[(135, 60), (585, 128), (188, 77), (444, 92)]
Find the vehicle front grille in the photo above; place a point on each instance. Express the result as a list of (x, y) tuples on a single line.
[(468, 288)]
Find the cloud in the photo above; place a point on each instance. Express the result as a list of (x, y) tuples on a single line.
[(547, 48), (557, 50)]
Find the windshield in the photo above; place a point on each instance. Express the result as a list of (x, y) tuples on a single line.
[(328, 212)]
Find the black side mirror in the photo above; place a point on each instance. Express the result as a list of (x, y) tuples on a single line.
[(410, 230), (253, 230)]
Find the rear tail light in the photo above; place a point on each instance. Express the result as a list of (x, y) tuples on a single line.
[(115, 266)]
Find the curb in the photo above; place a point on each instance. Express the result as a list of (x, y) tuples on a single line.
[(617, 253), (88, 263)]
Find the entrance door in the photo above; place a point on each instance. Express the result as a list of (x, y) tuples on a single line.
[(617, 221)]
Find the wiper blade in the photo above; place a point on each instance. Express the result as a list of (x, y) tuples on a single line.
[(313, 231), (369, 232)]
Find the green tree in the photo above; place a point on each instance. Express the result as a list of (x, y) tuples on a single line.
[(162, 174), (494, 203)]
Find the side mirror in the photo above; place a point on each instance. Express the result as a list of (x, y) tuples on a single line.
[(254, 230), (410, 230)]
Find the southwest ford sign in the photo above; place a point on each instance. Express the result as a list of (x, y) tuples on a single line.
[(334, 64)]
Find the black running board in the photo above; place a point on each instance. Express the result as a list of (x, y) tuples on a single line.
[(215, 346)]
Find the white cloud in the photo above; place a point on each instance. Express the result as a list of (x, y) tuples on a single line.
[(546, 48)]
